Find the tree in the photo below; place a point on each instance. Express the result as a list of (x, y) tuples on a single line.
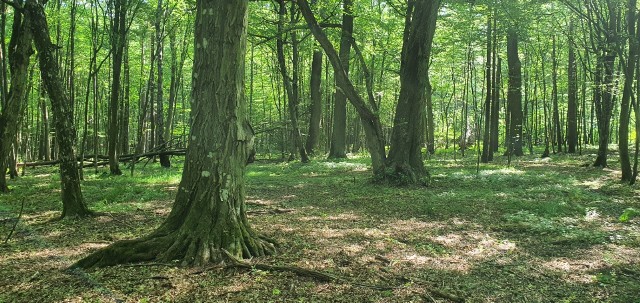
[(572, 100), (338, 148), (487, 152), (625, 107), (291, 84), (72, 201), (514, 96), (160, 132), (316, 102), (118, 38), (208, 216), (405, 155), (20, 52)]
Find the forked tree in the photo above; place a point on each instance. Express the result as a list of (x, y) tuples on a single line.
[(208, 217)]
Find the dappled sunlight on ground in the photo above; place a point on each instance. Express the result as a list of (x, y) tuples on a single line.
[(538, 231)]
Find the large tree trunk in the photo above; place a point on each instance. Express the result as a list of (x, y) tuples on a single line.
[(72, 200), (118, 32), (572, 103), (514, 96), (20, 52), (316, 102), (338, 147), (208, 216), (405, 156)]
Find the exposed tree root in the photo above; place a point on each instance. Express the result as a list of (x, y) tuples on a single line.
[(328, 277), (185, 248), (403, 175)]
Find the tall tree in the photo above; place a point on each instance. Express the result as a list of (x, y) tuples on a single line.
[(20, 52), (72, 200), (161, 141), (487, 151), (118, 38), (625, 106), (316, 102), (405, 156), (557, 128), (291, 84), (367, 110), (338, 147), (514, 95), (208, 218), (572, 91)]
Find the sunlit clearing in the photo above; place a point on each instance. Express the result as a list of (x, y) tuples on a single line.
[(502, 171)]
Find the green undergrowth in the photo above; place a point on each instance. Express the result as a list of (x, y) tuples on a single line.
[(528, 229)]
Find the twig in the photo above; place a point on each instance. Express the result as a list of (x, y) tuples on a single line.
[(15, 223)]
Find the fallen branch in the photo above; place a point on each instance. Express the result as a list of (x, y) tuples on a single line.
[(123, 158), (327, 277), (15, 224), (272, 211)]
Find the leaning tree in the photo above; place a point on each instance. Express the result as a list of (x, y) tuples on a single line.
[(208, 218)]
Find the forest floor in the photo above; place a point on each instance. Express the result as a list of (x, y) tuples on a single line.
[(537, 230)]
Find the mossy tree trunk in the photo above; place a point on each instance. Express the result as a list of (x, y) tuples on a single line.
[(208, 215), (72, 200), (20, 52), (405, 156)]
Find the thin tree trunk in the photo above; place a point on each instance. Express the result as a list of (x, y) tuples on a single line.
[(72, 200), (572, 106), (514, 95), (316, 102), (338, 146), (625, 106), (20, 52), (118, 30), (487, 152)]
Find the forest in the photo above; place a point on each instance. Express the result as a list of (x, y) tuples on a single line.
[(319, 151)]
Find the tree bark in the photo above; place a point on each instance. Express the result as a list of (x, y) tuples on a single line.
[(338, 147), (161, 141), (514, 96), (316, 102), (487, 152), (557, 128), (118, 36), (367, 111), (20, 52), (208, 218), (405, 156), (572, 100), (625, 107), (72, 200)]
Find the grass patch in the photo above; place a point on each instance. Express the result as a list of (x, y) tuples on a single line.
[(533, 230)]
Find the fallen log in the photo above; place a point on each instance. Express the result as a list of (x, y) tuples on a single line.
[(123, 158)]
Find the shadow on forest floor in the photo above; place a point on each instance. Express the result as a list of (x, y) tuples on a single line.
[(532, 231)]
